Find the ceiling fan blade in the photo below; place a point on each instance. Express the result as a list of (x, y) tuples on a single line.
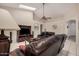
[(44, 18)]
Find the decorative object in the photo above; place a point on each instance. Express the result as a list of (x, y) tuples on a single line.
[(6, 23), (54, 26), (36, 26)]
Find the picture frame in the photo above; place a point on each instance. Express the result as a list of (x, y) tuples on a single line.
[(54, 26)]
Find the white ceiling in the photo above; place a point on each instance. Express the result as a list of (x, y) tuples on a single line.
[(51, 9)]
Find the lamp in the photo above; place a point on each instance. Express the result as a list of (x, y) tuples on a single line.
[(6, 23)]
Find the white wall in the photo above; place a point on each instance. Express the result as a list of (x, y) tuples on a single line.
[(61, 26)]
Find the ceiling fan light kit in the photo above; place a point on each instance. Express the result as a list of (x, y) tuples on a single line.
[(44, 17)]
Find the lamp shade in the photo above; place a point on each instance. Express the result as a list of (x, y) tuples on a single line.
[(6, 21)]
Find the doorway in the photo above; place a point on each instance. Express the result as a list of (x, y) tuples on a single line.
[(72, 30)]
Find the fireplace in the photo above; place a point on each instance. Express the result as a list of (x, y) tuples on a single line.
[(24, 32)]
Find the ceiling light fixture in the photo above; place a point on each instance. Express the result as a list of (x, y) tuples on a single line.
[(27, 7), (44, 17)]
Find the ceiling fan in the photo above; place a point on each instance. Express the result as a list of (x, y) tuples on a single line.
[(44, 17)]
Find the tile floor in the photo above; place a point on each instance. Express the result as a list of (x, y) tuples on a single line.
[(69, 48)]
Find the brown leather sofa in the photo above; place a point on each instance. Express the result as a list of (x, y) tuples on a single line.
[(49, 46)]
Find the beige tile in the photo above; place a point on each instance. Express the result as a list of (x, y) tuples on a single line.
[(69, 49), (71, 54), (77, 50), (67, 45)]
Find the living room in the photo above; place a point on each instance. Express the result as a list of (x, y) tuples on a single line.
[(29, 26)]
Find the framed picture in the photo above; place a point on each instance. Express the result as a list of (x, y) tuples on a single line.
[(54, 26), (36, 27)]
